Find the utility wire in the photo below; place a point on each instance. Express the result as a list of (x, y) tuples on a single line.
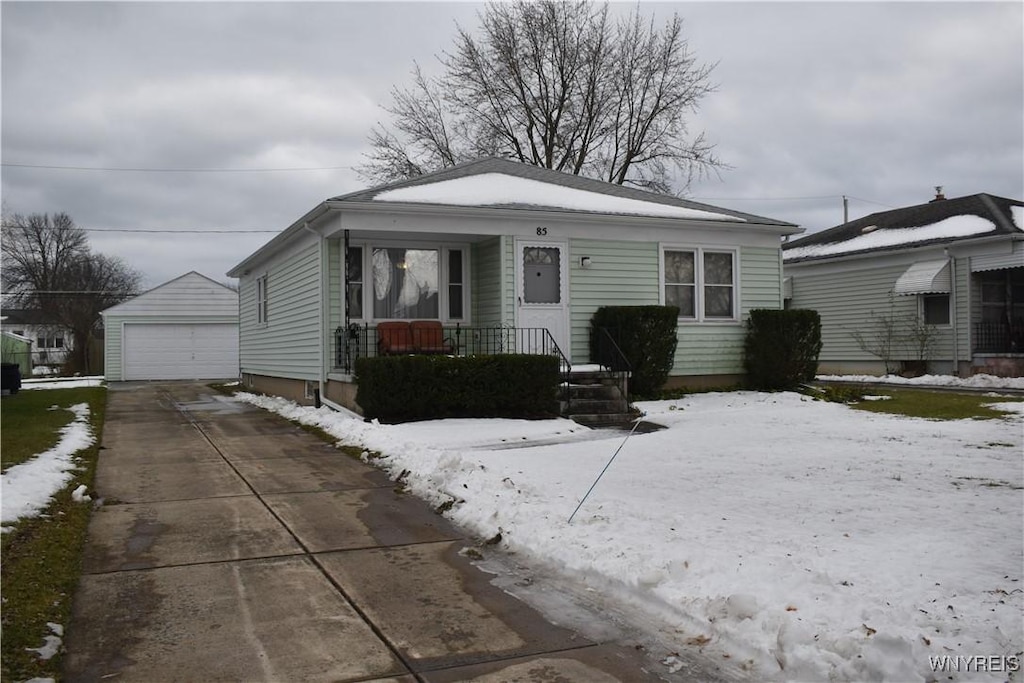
[(178, 170)]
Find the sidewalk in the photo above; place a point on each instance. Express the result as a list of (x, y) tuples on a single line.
[(233, 545)]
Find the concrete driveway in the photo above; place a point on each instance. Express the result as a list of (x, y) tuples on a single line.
[(232, 545)]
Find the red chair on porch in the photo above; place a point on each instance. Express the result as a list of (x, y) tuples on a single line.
[(394, 338), (428, 337)]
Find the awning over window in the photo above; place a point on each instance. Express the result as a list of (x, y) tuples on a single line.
[(925, 277)]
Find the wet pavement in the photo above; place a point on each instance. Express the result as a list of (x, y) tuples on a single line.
[(233, 545)]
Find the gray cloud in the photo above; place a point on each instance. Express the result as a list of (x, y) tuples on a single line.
[(877, 101)]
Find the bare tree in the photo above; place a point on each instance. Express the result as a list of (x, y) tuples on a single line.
[(558, 85), (49, 269)]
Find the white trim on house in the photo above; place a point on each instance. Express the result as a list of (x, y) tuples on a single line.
[(700, 315)]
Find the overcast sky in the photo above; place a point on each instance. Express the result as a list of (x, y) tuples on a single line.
[(876, 101)]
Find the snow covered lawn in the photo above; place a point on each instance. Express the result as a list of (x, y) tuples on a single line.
[(794, 539)]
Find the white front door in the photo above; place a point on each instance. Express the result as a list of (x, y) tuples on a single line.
[(542, 293)]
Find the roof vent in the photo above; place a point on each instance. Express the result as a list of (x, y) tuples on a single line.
[(938, 195), (868, 228)]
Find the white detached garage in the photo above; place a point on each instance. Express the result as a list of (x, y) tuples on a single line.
[(183, 329)]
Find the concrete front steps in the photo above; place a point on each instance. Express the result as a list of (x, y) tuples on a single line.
[(598, 398)]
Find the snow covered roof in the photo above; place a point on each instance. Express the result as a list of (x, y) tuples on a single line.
[(502, 183), (936, 222)]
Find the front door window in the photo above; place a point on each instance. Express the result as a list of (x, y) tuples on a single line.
[(542, 275)]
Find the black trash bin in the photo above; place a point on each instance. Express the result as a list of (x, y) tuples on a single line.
[(10, 377)]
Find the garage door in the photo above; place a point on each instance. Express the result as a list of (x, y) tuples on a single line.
[(180, 351)]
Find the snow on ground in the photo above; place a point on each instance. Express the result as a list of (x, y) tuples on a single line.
[(979, 381), (63, 382), (796, 539), (26, 488)]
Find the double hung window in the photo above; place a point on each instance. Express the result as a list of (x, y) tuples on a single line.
[(701, 282)]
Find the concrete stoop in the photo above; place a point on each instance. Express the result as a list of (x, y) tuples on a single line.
[(596, 399)]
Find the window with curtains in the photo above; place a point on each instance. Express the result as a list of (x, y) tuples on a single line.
[(404, 283), (701, 282)]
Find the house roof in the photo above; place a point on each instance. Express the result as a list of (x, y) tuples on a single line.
[(502, 183), (937, 222)]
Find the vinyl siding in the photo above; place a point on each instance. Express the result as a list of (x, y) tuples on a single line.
[(485, 279), (854, 300), (621, 274), (288, 345), (717, 348), (335, 307)]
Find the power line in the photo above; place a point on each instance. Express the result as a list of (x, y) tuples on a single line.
[(765, 199), (201, 231), (178, 170)]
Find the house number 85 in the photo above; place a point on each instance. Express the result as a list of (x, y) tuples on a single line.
[(542, 231)]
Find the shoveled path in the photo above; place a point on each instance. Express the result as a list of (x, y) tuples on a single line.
[(232, 545)]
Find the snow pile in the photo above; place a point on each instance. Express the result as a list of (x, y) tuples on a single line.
[(26, 488), (495, 189), (63, 382), (952, 227), (1018, 215), (52, 643), (980, 381), (795, 539)]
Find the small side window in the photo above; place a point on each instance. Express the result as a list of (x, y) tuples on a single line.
[(935, 309), (261, 299)]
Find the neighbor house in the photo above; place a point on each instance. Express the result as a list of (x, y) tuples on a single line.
[(505, 256), (51, 341), (936, 287)]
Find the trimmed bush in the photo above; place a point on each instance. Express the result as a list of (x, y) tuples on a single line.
[(403, 388), (781, 348), (647, 337)]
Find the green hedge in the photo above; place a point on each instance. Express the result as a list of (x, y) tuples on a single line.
[(781, 348), (402, 388), (647, 336)]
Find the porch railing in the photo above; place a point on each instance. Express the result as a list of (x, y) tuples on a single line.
[(999, 337), (361, 341)]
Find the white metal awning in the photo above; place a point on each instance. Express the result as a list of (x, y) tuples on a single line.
[(925, 277)]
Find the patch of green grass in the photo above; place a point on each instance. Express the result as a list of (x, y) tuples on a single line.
[(936, 405), (28, 425), (42, 555)]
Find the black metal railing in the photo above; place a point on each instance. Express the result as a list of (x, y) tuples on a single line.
[(363, 341), (999, 337), (608, 354)]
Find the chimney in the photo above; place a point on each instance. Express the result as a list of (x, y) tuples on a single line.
[(938, 195)]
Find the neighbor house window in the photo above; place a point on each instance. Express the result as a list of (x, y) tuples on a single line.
[(261, 299), (50, 342), (935, 309), (701, 282)]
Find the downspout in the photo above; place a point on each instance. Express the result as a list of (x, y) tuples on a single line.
[(322, 253), (952, 314)]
